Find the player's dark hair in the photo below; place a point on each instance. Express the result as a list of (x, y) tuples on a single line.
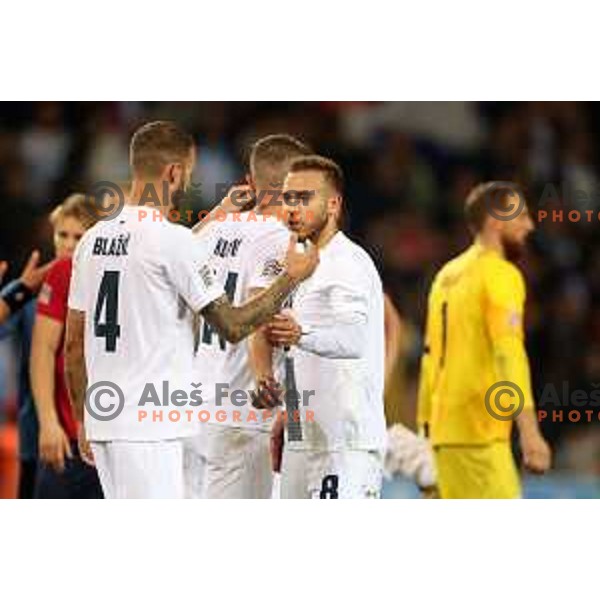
[(330, 170), (270, 158), (482, 199), (158, 144)]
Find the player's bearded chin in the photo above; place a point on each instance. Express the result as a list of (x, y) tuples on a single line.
[(317, 224), (513, 249)]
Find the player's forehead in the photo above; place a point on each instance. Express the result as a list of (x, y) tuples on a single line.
[(68, 222), (519, 207), (303, 181)]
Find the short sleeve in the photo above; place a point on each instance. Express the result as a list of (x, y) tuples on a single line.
[(189, 270), (268, 262), (77, 296), (54, 293)]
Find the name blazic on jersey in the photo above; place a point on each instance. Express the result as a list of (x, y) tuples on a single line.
[(116, 246)]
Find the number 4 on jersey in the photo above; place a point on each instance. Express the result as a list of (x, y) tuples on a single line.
[(208, 331), (108, 298)]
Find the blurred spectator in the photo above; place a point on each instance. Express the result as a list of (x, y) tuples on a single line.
[(44, 149)]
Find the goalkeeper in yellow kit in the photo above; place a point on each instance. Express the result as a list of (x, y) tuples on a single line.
[(475, 378)]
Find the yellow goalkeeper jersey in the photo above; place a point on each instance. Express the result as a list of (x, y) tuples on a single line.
[(473, 341)]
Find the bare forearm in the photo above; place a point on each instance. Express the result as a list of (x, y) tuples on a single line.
[(236, 323), (199, 227), (260, 355), (76, 377), (42, 383)]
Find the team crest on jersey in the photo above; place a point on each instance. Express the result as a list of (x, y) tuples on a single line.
[(272, 268), (45, 294), (514, 319)]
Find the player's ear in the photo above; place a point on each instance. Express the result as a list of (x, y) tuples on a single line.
[(335, 205), (496, 224), (174, 174)]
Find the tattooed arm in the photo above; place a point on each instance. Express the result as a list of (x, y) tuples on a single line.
[(76, 376), (235, 323)]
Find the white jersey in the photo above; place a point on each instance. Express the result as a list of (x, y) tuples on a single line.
[(138, 278), (343, 409), (247, 251)]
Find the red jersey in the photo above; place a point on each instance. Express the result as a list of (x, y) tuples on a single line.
[(52, 302)]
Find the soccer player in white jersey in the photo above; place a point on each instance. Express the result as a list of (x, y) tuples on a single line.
[(137, 280), (247, 251), (335, 329)]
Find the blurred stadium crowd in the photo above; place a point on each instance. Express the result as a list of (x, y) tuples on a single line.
[(408, 166)]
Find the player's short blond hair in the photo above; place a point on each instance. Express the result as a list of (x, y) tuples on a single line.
[(158, 144), (271, 156), (77, 206)]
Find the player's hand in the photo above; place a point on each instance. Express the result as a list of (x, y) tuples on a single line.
[(239, 198), (430, 492), (283, 330), (85, 450), (268, 393), (54, 446), (276, 445), (33, 274), (3, 269), (537, 456), (301, 260)]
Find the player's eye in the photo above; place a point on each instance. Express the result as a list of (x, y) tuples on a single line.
[(305, 196)]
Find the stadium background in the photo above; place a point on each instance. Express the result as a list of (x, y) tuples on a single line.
[(408, 168)]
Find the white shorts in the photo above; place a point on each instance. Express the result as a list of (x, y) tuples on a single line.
[(238, 463), (140, 469), (348, 474), (194, 466)]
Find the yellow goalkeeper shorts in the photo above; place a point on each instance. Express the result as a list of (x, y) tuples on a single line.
[(482, 471)]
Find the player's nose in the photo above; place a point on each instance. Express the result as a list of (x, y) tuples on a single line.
[(291, 212), (70, 245), (530, 224)]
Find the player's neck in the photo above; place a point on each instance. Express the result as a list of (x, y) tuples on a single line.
[(268, 203), (326, 235), (150, 194), (490, 242)]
